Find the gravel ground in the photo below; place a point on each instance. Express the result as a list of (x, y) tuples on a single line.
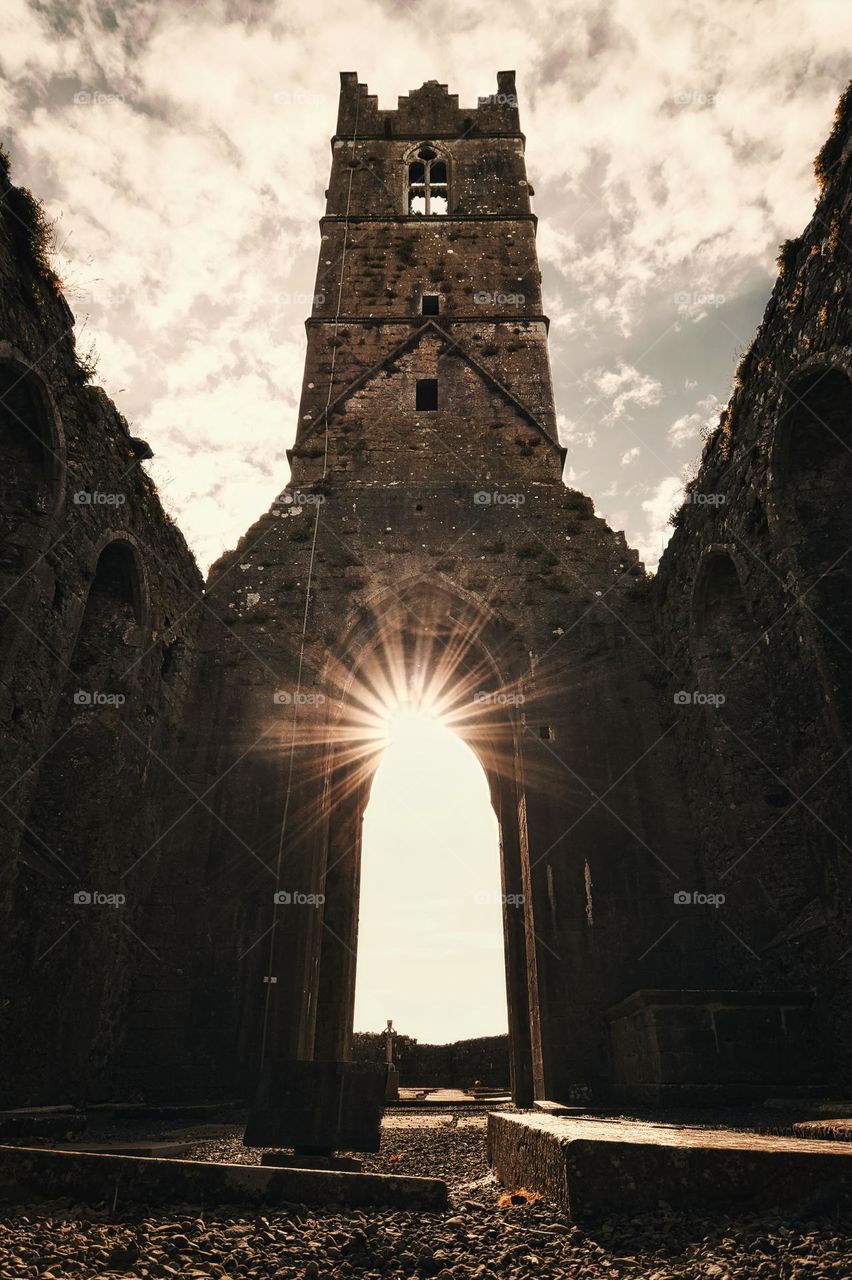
[(474, 1238)]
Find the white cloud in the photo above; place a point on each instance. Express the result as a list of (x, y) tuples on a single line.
[(665, 499), (691, 426), (623, 387), (574, 434), (630, 456)]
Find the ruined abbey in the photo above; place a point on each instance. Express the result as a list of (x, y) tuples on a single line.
[(185, 766)]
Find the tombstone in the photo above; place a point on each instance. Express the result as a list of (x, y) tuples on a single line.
[(317, 1108)]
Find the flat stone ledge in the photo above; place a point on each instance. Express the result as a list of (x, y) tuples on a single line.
[(595, 1167), (548, 1108), (838, 1129), (116, 1147), (29, 1174)]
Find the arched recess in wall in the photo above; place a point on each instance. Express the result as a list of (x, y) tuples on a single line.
[(32, 471), (756, 856), (80, 788), (812, 481)]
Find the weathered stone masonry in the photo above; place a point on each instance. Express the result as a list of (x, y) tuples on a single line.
[(754, 603), (426, 529), (415, 550), (99, 595)]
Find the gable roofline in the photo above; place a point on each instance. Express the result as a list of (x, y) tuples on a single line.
[(430, 325)]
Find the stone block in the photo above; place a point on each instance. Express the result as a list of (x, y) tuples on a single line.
[(28, 1174), (318, 1106), (592, 1167), (711, 1043)]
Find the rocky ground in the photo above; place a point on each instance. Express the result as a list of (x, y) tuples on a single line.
[(476, 1237)]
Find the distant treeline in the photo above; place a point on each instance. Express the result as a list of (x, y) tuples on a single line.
[(456, 1066)]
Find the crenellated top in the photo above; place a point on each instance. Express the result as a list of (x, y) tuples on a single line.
[(431, 109)]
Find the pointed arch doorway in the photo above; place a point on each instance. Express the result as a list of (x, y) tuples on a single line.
[(430, 932), (426, 647)]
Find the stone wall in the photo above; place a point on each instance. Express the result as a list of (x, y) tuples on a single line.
[(100, 606), (457, 1065), (753, 602)]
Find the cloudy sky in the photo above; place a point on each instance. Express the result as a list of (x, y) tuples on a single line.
[(183, 149)]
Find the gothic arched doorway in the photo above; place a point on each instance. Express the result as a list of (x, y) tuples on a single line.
[(428, 643)]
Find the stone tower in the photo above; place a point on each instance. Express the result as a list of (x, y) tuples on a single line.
[(426, 545)]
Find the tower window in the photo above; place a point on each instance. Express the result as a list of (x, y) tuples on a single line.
[(429, 304), (427, 184), (426, 396)]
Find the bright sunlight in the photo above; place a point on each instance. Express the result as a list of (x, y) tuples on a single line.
[(430, 946)]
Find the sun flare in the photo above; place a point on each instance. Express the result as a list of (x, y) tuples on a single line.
[(409, 723)]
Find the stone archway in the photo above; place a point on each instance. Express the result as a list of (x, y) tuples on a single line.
[(427, 637)]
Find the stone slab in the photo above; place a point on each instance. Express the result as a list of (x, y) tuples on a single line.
[(558, 1108), (16, 1126), (433, 1104), (289, 1160), (336, 1106), (711, 1045), (29, 1174), (594, 1167), (838, 1130), (176, 1113), (163, 1150)]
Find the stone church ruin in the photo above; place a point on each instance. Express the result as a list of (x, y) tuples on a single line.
[(185, 766)]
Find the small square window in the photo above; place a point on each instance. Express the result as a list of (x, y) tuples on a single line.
[(426, 397), (547, 733), (429, 304)]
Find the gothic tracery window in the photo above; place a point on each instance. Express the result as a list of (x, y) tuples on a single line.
[(427, 183)]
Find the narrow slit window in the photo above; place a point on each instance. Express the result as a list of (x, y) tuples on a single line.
[(426, 397), (430, 304), (427, 184)]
